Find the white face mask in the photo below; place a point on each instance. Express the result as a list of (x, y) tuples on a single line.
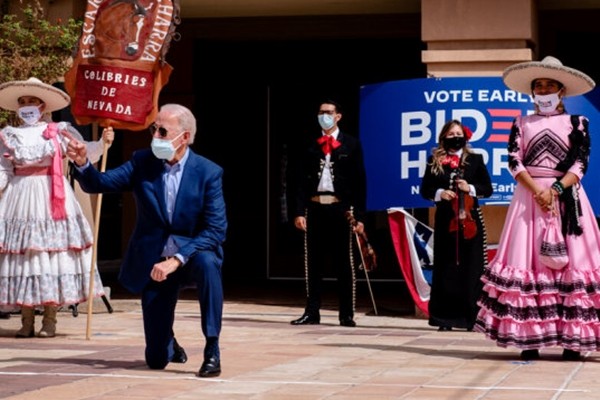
[(163, 148), (326, 121), (547, 103), (29, 114)]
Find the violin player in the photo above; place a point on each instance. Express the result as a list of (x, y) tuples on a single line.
[(454, 179)]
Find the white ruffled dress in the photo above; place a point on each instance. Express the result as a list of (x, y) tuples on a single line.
[(43, 261)]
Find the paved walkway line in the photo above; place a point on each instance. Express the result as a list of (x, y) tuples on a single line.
[(300, 383)]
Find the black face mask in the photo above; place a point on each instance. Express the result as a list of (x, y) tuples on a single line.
[(455, 143)]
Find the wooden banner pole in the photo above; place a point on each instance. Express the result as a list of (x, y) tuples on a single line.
[(95, 248)]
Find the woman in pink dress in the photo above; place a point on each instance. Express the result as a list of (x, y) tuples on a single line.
[(525, 303)]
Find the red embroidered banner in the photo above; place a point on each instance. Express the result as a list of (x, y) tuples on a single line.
[(120, 67), (112, 92)]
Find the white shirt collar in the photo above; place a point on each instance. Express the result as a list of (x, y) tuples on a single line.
[(334, 134)]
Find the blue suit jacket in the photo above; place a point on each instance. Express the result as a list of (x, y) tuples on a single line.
[(199, 218)]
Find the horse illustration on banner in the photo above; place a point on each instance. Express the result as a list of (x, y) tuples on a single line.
[(121, 41)]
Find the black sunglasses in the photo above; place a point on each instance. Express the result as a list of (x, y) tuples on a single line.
[(161, 130)]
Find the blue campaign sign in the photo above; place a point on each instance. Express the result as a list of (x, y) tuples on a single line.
[(400, 122)]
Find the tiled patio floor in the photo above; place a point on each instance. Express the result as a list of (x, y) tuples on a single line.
[(264, 357)]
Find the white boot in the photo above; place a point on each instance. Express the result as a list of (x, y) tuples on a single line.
[(48, 322), (27, 321)]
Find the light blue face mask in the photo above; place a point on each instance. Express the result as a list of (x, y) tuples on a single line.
[(163, 149), (326, 121), (29, 114)]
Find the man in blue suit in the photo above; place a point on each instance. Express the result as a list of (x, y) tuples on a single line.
[(178, 236)]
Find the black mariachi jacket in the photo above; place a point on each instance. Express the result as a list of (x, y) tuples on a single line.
[(348, 173)]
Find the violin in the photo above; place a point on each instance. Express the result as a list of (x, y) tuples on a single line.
[(462, 205), (369, 259)]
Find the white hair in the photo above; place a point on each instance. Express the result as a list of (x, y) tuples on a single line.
[(185, 118)]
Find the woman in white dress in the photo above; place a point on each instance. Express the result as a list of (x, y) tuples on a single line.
[(45, 239)]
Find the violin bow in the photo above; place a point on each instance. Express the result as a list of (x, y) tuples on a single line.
[(353, 222), (457, 175)]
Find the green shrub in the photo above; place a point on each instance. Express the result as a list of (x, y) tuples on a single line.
[(32, 46)]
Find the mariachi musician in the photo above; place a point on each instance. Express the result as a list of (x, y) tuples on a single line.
[(331, 181), (455, 177)]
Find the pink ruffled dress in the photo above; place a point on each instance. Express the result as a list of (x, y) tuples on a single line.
[(43, 260), (524, 303)]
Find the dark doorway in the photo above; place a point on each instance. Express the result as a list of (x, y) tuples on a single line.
[(256, 104)]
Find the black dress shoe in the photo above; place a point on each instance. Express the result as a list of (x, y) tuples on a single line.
[(445, 328), (348, 321), (571, 355), (210, 367), (179, 355), (307, 319), (527, 355)]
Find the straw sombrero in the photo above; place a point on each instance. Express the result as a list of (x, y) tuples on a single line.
[(519, 76), (54, 98)]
